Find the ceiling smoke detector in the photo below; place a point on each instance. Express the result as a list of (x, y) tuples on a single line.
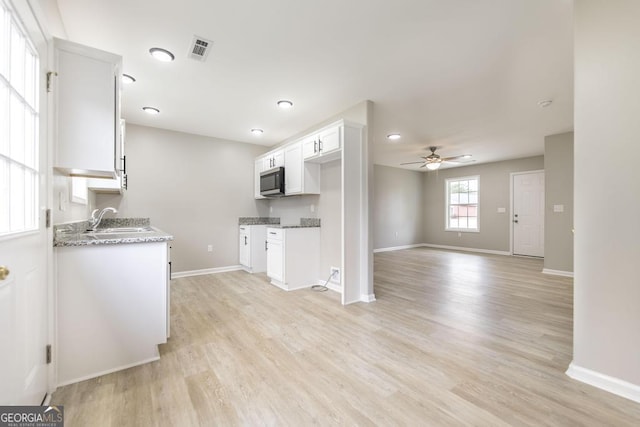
[(199, 49)]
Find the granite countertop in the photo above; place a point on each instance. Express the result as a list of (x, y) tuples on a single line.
[(73, 234), (304, 223), (258, 220)]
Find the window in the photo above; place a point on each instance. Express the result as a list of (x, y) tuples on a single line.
[(462, 204), (18, 126)]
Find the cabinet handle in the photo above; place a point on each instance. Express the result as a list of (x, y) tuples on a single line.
[(124, 164), (319, 145), (245, 240), (266, 247), (273, 232), (315, 147)]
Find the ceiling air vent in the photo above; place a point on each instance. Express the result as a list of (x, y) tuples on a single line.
[(199, 48)]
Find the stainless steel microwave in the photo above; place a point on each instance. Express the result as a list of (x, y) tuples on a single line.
[(272, 182)]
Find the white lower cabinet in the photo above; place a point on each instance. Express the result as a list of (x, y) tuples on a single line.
[(293, 256), (252, 248), (111, 307)]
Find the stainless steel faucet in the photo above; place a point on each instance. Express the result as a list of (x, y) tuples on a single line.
[(94, 221)]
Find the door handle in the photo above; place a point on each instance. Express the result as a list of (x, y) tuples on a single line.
[(4, 272)]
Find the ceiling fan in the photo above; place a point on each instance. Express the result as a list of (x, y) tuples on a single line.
[(433, 160)]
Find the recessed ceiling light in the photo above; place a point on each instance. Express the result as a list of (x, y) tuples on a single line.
[(161, 54), (545, 103), (256, 131), (151, 110), (127, 79), (284, 104), (393, 136)]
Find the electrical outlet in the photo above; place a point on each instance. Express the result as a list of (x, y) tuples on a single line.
[(210, 248), (335, 275), (312, 208), (459, 234), (396, 234)]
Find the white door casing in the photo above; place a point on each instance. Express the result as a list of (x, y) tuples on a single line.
[(24, 301), (528, 213)]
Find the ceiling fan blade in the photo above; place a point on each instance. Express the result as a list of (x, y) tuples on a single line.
[(424, 166), (412, 163), (456, 158)]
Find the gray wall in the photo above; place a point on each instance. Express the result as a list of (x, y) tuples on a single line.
[(558, 190), (193, 187), (607, 188), (494, 193), (399, 208)]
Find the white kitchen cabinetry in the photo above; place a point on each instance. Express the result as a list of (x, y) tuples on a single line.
[(324, 145), (109, 185), (300, 177), (253, 248), (274, 159), (293, 257), (111, 307), (256, 175), (87, 99)]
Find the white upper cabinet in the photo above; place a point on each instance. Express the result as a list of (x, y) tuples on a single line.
[(110, 185), (256, 182), (274, 159), (300, 177), (87, 99), (323, 146)]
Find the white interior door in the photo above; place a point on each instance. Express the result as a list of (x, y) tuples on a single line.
[(528, 214), (23, 196)]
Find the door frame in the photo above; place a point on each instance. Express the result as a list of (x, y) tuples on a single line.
[(512, 175)]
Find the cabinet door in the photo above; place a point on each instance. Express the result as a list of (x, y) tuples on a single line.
[(278, 158), (293, 169), (88, 110), (310, 147), (245, 248), (275, 260), (329, 140), (256, 184)]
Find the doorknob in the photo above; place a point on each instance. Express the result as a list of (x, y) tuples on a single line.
[(4, 272)]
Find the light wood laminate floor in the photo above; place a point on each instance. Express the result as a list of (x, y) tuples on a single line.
[(453, 339)]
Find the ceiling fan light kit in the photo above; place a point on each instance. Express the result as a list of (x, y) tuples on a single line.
[(433, 161)]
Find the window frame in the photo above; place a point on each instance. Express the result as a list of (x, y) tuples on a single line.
[(29, 99), (447, 205)]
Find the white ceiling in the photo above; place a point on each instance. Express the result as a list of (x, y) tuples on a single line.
[(464, 75)]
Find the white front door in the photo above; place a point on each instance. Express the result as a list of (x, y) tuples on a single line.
[(23, 196), (528, 214)]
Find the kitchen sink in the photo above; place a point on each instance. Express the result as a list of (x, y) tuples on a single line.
[(119, 230)]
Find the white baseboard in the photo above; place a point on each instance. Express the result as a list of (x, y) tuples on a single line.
[(460, 248), (368, 298), (557, 272), (109, 371), (398, 248), (202, 272), (605, 382)]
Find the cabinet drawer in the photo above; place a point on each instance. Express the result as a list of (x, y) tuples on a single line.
[(275, 233)]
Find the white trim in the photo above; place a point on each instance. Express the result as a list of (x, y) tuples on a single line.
[(605, 382), (459, 248), (446, 205), (398, 248), (557, 272), (204, 271), (368, 298), (109, 371)]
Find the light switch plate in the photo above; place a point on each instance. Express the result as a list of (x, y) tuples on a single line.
[(558, 208), (502, 210)]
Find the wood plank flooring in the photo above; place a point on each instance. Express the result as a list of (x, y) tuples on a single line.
[(453, 339)]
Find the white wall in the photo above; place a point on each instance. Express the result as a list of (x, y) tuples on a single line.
[(607, 189)]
